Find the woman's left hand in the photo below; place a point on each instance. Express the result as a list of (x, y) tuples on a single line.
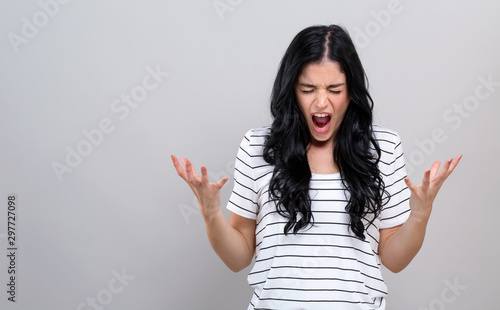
[(423, 196)]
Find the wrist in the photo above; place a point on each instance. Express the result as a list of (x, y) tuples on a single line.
[(212, 216), (420, 217)]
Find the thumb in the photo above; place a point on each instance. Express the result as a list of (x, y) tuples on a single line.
[(221, 183), (410, 185)]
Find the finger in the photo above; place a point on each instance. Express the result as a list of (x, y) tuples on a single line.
[(189, 174), (427, 178), (175, 161), (204, 176), (444, 173), (182, 173), (447, 166), (435, 169), (195, 174), (192, 176), (178, 167), (221, 183), (187, 162), (454, 163), (410, 185)]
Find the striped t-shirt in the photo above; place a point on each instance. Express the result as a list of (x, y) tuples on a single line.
[(324, 266)]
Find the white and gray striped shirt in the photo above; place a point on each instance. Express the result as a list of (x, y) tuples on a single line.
[(324, 266)]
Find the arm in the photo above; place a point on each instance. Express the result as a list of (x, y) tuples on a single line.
[(399, 245), (233, 241)]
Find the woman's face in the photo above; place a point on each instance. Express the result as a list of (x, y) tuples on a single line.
[(323, 98)]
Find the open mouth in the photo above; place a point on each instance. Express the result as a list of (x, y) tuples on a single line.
[(321, 122)]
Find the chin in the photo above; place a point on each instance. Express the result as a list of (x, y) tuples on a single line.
[(321, 138)]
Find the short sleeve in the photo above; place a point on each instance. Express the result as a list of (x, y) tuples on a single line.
[(397, 210), (244, 197)]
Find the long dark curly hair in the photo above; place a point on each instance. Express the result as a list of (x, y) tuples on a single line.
[(356, 152)]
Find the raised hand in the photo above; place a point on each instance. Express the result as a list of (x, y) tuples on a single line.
[(423, 196), (208, 194)]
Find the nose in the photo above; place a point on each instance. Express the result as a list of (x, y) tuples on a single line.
[(321, 99)]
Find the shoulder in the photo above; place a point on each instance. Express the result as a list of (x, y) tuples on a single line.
[(387, 139), (257, 134), (250, 157), (254, 140)]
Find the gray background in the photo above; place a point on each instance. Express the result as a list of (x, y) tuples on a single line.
[(123, 209)]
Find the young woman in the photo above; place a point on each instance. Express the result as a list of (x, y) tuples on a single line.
[(320, 198)]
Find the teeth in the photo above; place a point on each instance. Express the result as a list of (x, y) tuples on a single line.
[(321, 115)]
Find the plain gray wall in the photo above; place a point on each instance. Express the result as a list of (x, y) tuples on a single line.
[(122, 209)]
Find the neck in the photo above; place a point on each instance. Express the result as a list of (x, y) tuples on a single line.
[(320, 158)]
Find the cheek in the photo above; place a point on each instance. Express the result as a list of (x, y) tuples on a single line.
[(343, 104), (303, 106), (341, 109)]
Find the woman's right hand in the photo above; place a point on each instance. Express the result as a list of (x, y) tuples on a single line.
[(208, 194)]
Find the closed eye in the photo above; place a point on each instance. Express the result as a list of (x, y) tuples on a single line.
[(336, 92)]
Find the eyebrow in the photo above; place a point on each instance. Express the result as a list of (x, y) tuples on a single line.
[(313, 86)]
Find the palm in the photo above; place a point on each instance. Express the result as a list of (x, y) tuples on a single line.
[(423, 196), (208, 194)]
